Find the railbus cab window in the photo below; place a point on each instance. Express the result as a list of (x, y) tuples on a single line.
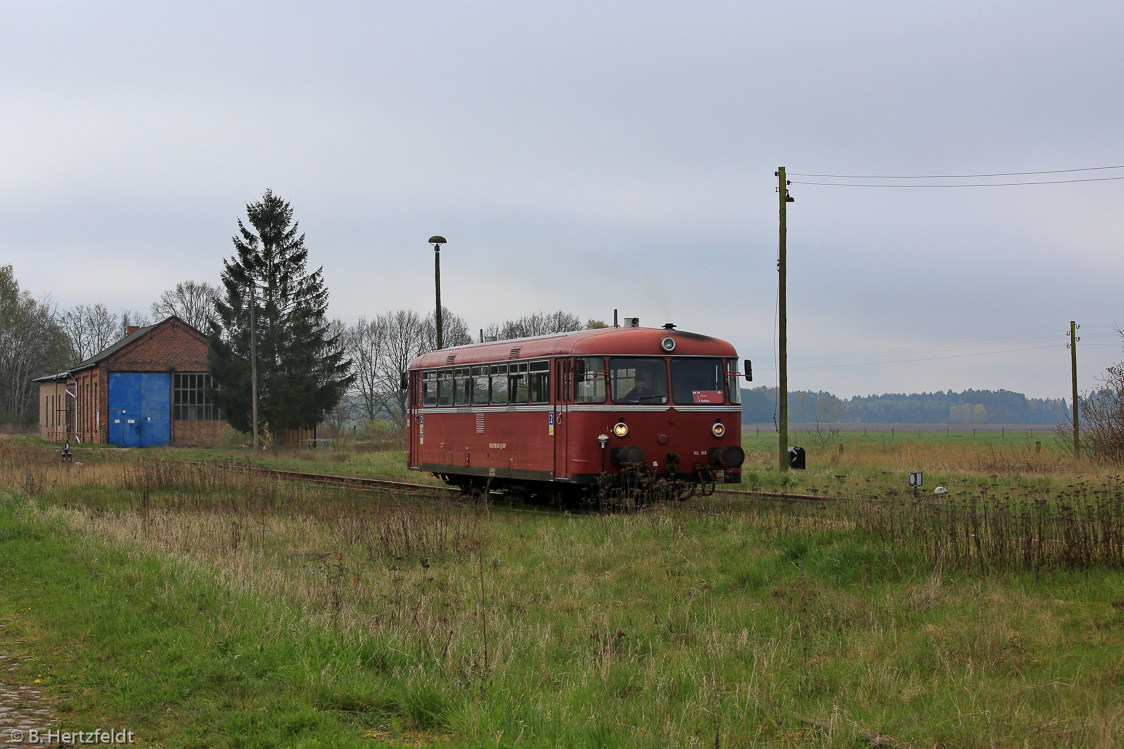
[(480, 386), (499, 384), (637, 380), (589, 380), (540, 382), (429, 388), (698, 381), (733, 381)]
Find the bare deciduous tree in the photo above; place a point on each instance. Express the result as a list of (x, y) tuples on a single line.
[(365, 343), (192, 302), (31, 345), (539, 323), (405, 340), (456, 331), (381, 350), (90, 327), (1101, 419), (132, 319)]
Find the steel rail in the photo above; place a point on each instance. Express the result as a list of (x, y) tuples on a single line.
[(356, 482)]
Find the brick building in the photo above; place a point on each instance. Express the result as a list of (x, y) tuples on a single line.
[(146, 390)]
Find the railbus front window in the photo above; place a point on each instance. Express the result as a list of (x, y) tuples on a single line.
[(636, 380), (499, 384), (479, 386), (589, 380), (698, 381)]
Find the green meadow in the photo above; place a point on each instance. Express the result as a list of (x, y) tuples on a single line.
[(197, 606)]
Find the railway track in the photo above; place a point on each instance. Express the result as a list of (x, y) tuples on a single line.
[(354, 482), (386, 485), (357, 482), (784, 496)]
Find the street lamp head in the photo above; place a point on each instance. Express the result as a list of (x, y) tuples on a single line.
[(438, 239)]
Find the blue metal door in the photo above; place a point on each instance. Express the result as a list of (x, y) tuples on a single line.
[(124, 409), (156, 410), (140, 409)]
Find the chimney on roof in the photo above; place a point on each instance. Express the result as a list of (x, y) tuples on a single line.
[(130, 329)]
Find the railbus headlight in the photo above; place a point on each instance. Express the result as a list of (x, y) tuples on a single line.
[(718, 430), (620, 429)]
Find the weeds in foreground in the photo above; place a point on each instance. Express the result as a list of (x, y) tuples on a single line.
[(999, 530), (720, 621)]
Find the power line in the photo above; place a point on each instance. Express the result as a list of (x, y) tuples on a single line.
[(919, 359), (932, 358), (937, 352), (992, 345), (956, 176), (987, 184)]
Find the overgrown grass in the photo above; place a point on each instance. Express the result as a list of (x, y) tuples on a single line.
[(278, 614)]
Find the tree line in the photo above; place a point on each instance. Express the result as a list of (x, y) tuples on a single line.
[(969, 407), (269, 313), (37, 338)]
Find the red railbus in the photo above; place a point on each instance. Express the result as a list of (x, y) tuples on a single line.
[(555, 415)]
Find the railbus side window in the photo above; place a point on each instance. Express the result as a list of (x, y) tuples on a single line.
[(463, 385), (499, 384), (518, 390), (429, 388), (479, 386), (589, 380), (445, 387), (540, 382), (733, 382)]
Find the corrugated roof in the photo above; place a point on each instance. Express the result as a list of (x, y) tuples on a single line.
[(59, 376)]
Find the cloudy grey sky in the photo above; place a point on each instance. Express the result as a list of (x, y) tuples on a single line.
[(592, 156)]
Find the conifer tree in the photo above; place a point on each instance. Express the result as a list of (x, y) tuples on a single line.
[(302, 370)]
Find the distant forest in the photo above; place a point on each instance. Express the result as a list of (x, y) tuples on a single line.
[(969, 407)]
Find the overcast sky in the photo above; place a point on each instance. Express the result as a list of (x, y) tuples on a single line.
[(592, 156)]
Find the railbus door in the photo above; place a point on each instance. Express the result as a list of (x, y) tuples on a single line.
[(563, 378), (413, 420)]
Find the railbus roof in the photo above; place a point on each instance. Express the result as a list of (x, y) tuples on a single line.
[(598, 341)]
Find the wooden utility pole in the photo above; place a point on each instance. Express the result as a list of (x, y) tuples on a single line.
[(1073, 339), (782, 322), (253, 361)]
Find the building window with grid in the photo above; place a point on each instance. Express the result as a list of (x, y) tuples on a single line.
[(189, 397)]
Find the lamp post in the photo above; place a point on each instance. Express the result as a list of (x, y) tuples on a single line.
[(437, 241)]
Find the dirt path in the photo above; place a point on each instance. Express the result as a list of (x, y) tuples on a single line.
[(23, 710)]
